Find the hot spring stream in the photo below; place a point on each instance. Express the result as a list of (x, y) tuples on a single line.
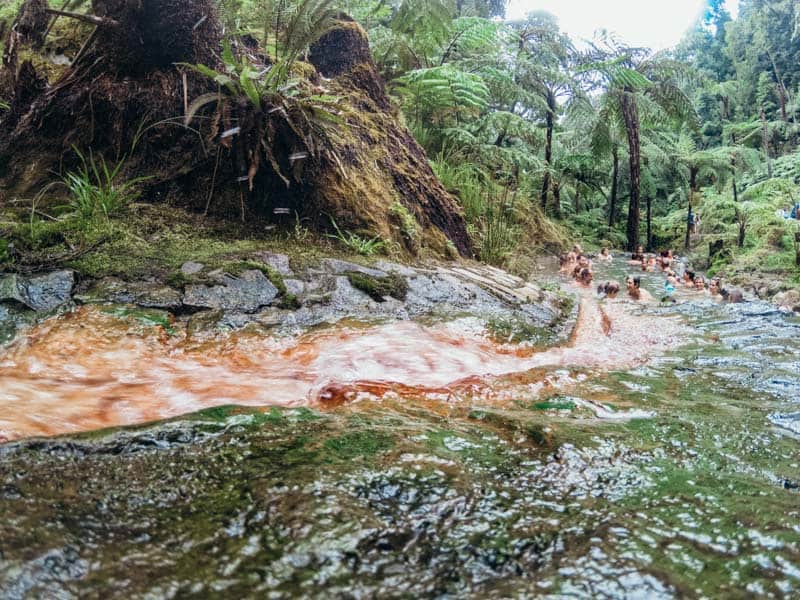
[(657, 454)]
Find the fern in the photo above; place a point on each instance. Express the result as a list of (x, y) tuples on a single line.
[(289, 27), (438, 92)]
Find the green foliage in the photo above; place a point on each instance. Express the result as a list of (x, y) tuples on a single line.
[(96, 188), (8, 10), (439, 94), (497, 229), (293, 25), (356, 243), (466, 181), (408, 224)]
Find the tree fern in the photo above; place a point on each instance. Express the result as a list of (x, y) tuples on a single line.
[(441, 92)]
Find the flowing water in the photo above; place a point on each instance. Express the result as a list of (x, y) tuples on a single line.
[(655, 455)]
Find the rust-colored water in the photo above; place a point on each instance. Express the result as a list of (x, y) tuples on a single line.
[(88, 369)]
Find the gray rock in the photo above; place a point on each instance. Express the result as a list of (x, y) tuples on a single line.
[(294, 286), (789, 300), (191, 268), (39, 292), (146, 294), (337, 267), (346, 298), (246, 293), (279, 262), (390, 267)]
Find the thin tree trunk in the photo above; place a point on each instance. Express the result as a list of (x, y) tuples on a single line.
[(612, 204), (548, 149), (649, 225), (689, 223), (557, 199), (766, 142), (782, 92), (689, 216), (630, 114), (782, 97)]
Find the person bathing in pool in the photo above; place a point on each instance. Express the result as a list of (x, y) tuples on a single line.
[(669, 289), (609, 289), (638, 256), (635, 291)]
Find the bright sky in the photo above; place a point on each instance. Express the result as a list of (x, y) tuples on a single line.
[(657, 24)]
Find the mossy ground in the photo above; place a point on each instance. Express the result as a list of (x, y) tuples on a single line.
[(146, 241)]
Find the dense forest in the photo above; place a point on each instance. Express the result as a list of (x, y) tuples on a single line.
[(540, 138)]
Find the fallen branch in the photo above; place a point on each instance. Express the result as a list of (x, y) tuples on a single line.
[(98, 21)]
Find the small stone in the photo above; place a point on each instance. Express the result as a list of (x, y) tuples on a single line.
[(337, 267), (279, 262), (294, 286), (191, 268)]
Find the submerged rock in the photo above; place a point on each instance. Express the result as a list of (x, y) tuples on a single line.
[(38, 292), (325, 504)]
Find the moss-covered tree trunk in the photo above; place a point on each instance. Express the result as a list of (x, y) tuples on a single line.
[(692, 192), (557, 199), (548, 148), (612, 203), (630, 114)]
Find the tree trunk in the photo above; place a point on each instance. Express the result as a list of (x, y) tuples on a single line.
[(649, 227), (630, 114), (612, 204), (689, 223), (735, 189), (557, 199), (548, 148), (782, 97), (797, 249), (689, 217), (765, 142)]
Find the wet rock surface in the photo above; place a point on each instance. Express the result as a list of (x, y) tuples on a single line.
[(244, 293), (24, 300), (147, 294), (292, 502), (40, 293), (276, 296)]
